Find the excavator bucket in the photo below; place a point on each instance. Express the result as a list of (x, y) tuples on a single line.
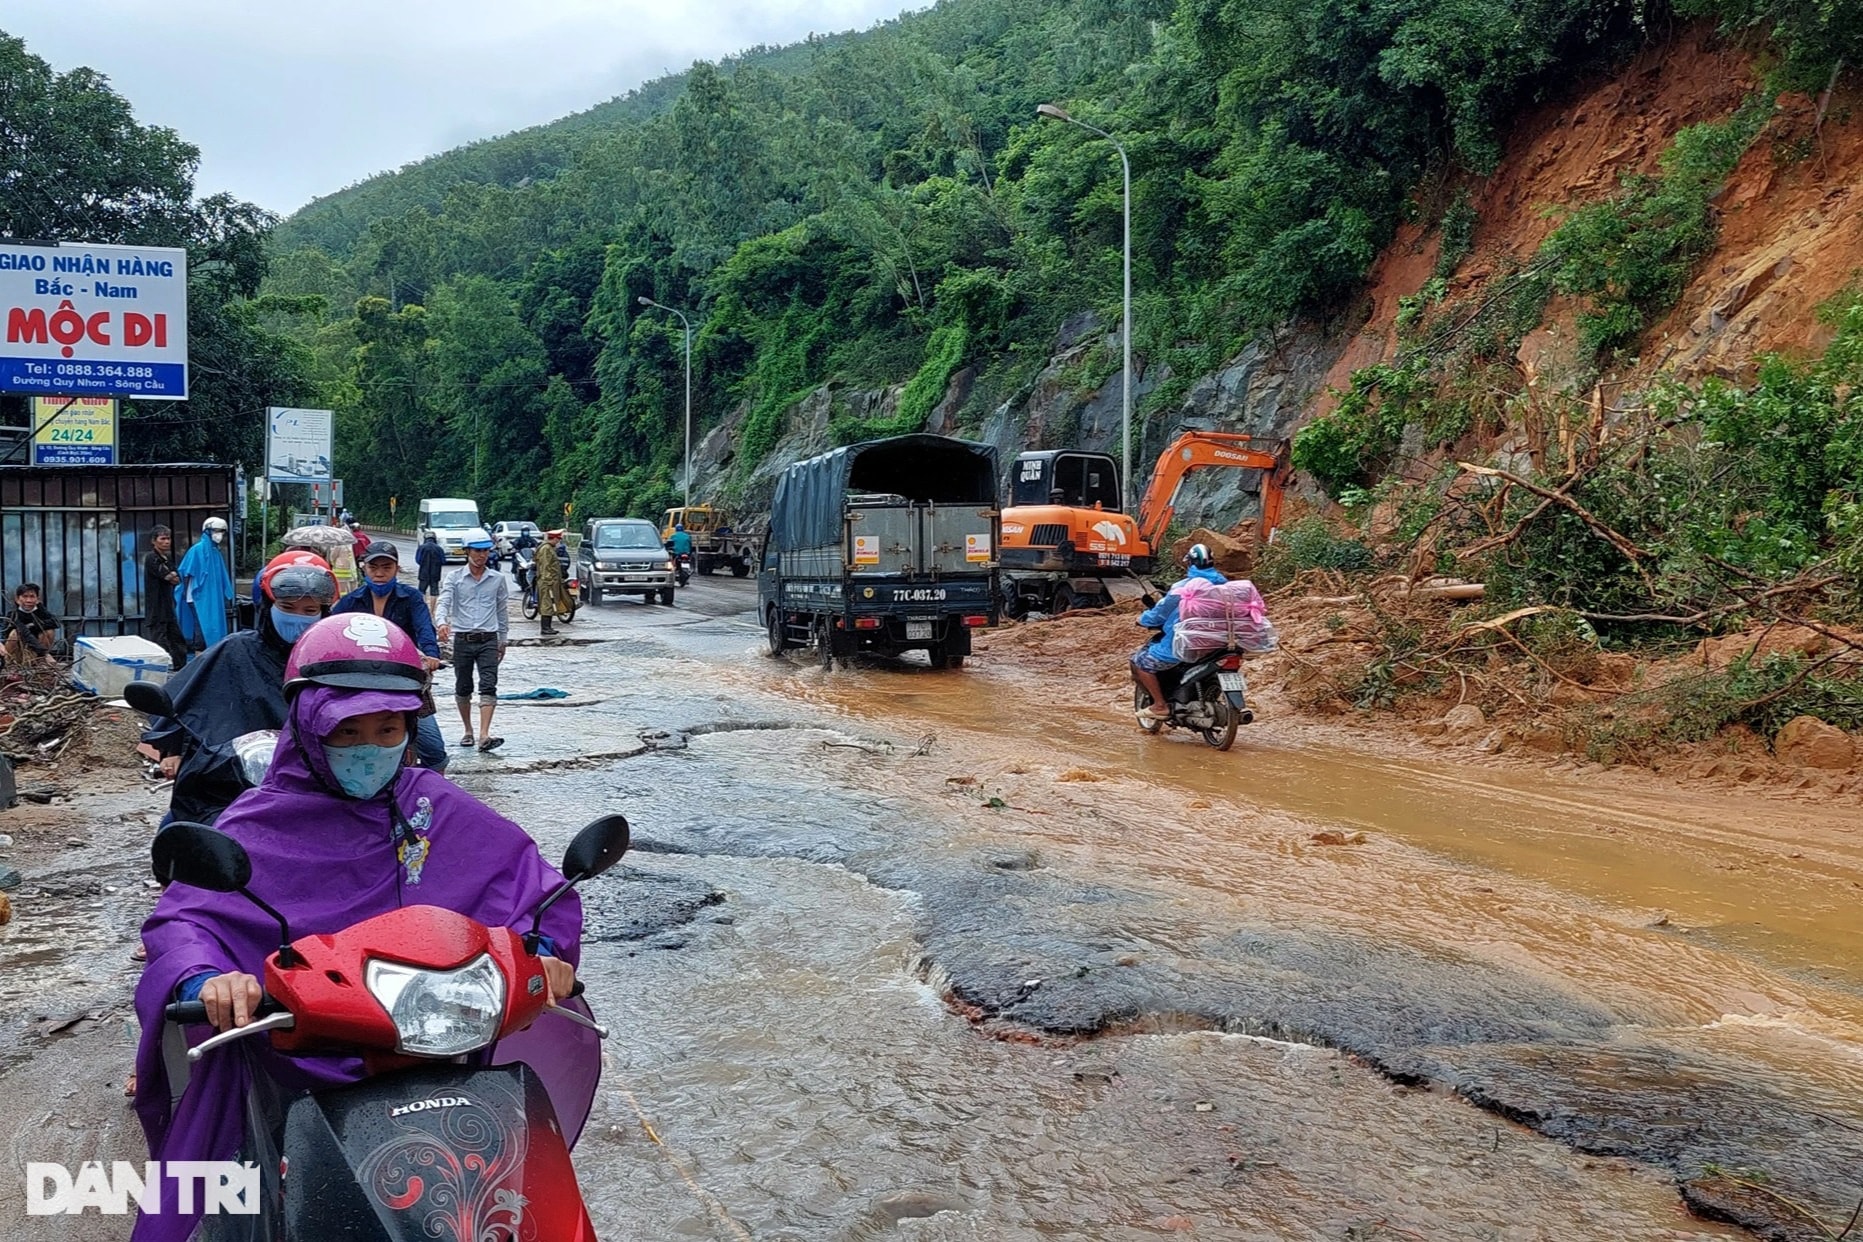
[(1125, 590)]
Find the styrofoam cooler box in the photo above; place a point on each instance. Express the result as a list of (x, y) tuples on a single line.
[(105, 665)]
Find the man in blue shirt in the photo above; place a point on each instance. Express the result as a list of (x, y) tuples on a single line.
[(385, 595), (1150, 660)]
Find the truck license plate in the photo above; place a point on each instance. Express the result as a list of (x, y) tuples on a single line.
[(1230, 681), (918, 629)]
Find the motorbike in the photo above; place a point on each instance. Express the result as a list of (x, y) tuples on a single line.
[(431, 1138), (1208, 695), (682, 564), (246, 757)]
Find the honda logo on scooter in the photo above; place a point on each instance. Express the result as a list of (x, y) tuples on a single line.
[(422, 1106)]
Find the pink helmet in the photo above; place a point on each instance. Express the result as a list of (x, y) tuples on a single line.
[(358, 651)]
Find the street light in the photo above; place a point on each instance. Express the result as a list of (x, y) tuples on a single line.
[(1058, 113), (688, 325)]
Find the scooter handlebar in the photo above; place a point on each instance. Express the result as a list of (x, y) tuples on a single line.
[(190, 1013)]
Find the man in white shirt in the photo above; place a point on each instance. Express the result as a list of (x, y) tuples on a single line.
[(474, 614)]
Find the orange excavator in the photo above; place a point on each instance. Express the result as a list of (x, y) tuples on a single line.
[(1065, 540)]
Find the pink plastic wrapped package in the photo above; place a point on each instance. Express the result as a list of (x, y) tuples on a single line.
[(1219, 616)]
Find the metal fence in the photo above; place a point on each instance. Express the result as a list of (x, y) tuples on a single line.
[(80, 532)]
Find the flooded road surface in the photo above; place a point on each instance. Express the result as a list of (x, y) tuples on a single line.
[(961, 956)]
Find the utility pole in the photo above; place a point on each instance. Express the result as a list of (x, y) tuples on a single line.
[(687, 502), (1058, 113)]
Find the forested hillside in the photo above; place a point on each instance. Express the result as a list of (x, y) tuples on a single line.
[(886, 208)]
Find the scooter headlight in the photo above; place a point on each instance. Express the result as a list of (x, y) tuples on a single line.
[(441, 1013), (254, 752)]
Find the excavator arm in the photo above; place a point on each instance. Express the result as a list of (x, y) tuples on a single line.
[(1198, 450)]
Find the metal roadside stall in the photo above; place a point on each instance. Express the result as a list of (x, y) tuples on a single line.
[(80, 532)]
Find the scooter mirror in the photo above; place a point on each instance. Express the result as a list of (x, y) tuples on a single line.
[(196, 855), (596, 848), (149, 698)]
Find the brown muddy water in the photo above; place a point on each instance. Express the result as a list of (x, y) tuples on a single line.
[(1053, 979)]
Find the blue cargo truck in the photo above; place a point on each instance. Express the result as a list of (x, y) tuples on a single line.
[(883, 547)]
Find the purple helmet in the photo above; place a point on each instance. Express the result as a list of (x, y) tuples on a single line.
[(357, 651)]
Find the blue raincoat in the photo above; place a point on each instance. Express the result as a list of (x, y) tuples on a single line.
[(203, 593)]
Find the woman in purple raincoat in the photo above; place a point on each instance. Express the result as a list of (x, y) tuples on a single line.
[(339, 831)]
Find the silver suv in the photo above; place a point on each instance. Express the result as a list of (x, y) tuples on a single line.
[(624, 556)]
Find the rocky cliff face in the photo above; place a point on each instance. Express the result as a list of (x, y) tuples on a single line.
[(1790, 238), (1264, 391)]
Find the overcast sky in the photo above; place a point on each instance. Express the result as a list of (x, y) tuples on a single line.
[(290, 99)]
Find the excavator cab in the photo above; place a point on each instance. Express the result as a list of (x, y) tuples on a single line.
[(1064, 477), (1065, 540)]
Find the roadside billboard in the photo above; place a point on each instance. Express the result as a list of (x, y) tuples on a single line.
[(297, 445), (94, 320), (73, 431)]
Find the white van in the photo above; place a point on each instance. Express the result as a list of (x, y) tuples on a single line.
[(452, 522)]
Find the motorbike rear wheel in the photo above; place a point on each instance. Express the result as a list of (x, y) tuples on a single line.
[(530, 605), (1141, 701), (1223, 736)]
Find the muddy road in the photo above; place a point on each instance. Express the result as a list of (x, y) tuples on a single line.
[(961, 955)]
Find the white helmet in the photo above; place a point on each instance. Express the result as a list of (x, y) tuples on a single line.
[(214, 523)]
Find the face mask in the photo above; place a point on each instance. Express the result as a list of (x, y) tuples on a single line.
[(290, 625), (380, 588), (363, 771), (218, 536)]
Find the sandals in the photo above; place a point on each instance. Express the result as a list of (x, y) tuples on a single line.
[(491, 744), (466, 741)]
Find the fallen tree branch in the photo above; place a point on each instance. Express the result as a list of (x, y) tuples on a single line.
[(1631, 552), (1796, 586)]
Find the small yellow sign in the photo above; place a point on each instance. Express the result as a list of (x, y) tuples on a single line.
[(977, 548), (73, 431), (866, 549)]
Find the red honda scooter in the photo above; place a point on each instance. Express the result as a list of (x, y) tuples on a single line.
[(429, 1146)]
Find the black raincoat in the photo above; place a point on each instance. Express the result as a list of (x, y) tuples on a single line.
[(236, 686)]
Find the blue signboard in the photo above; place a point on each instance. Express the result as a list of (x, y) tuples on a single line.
[(94, 321)]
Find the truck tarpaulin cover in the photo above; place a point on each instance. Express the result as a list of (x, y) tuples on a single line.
[(811, 496)]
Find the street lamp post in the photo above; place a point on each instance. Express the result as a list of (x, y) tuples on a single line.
[(1059, 113), (688, 326)]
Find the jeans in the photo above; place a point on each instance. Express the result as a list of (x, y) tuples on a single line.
[(429, 746)]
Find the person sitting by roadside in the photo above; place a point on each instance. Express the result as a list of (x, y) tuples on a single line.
[(1154, 658), (386, 596), (31, 631)]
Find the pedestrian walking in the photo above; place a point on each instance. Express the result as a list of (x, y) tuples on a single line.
[(159, 577), (552, 592), (430, 560), (474, 615), (387, 597)]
